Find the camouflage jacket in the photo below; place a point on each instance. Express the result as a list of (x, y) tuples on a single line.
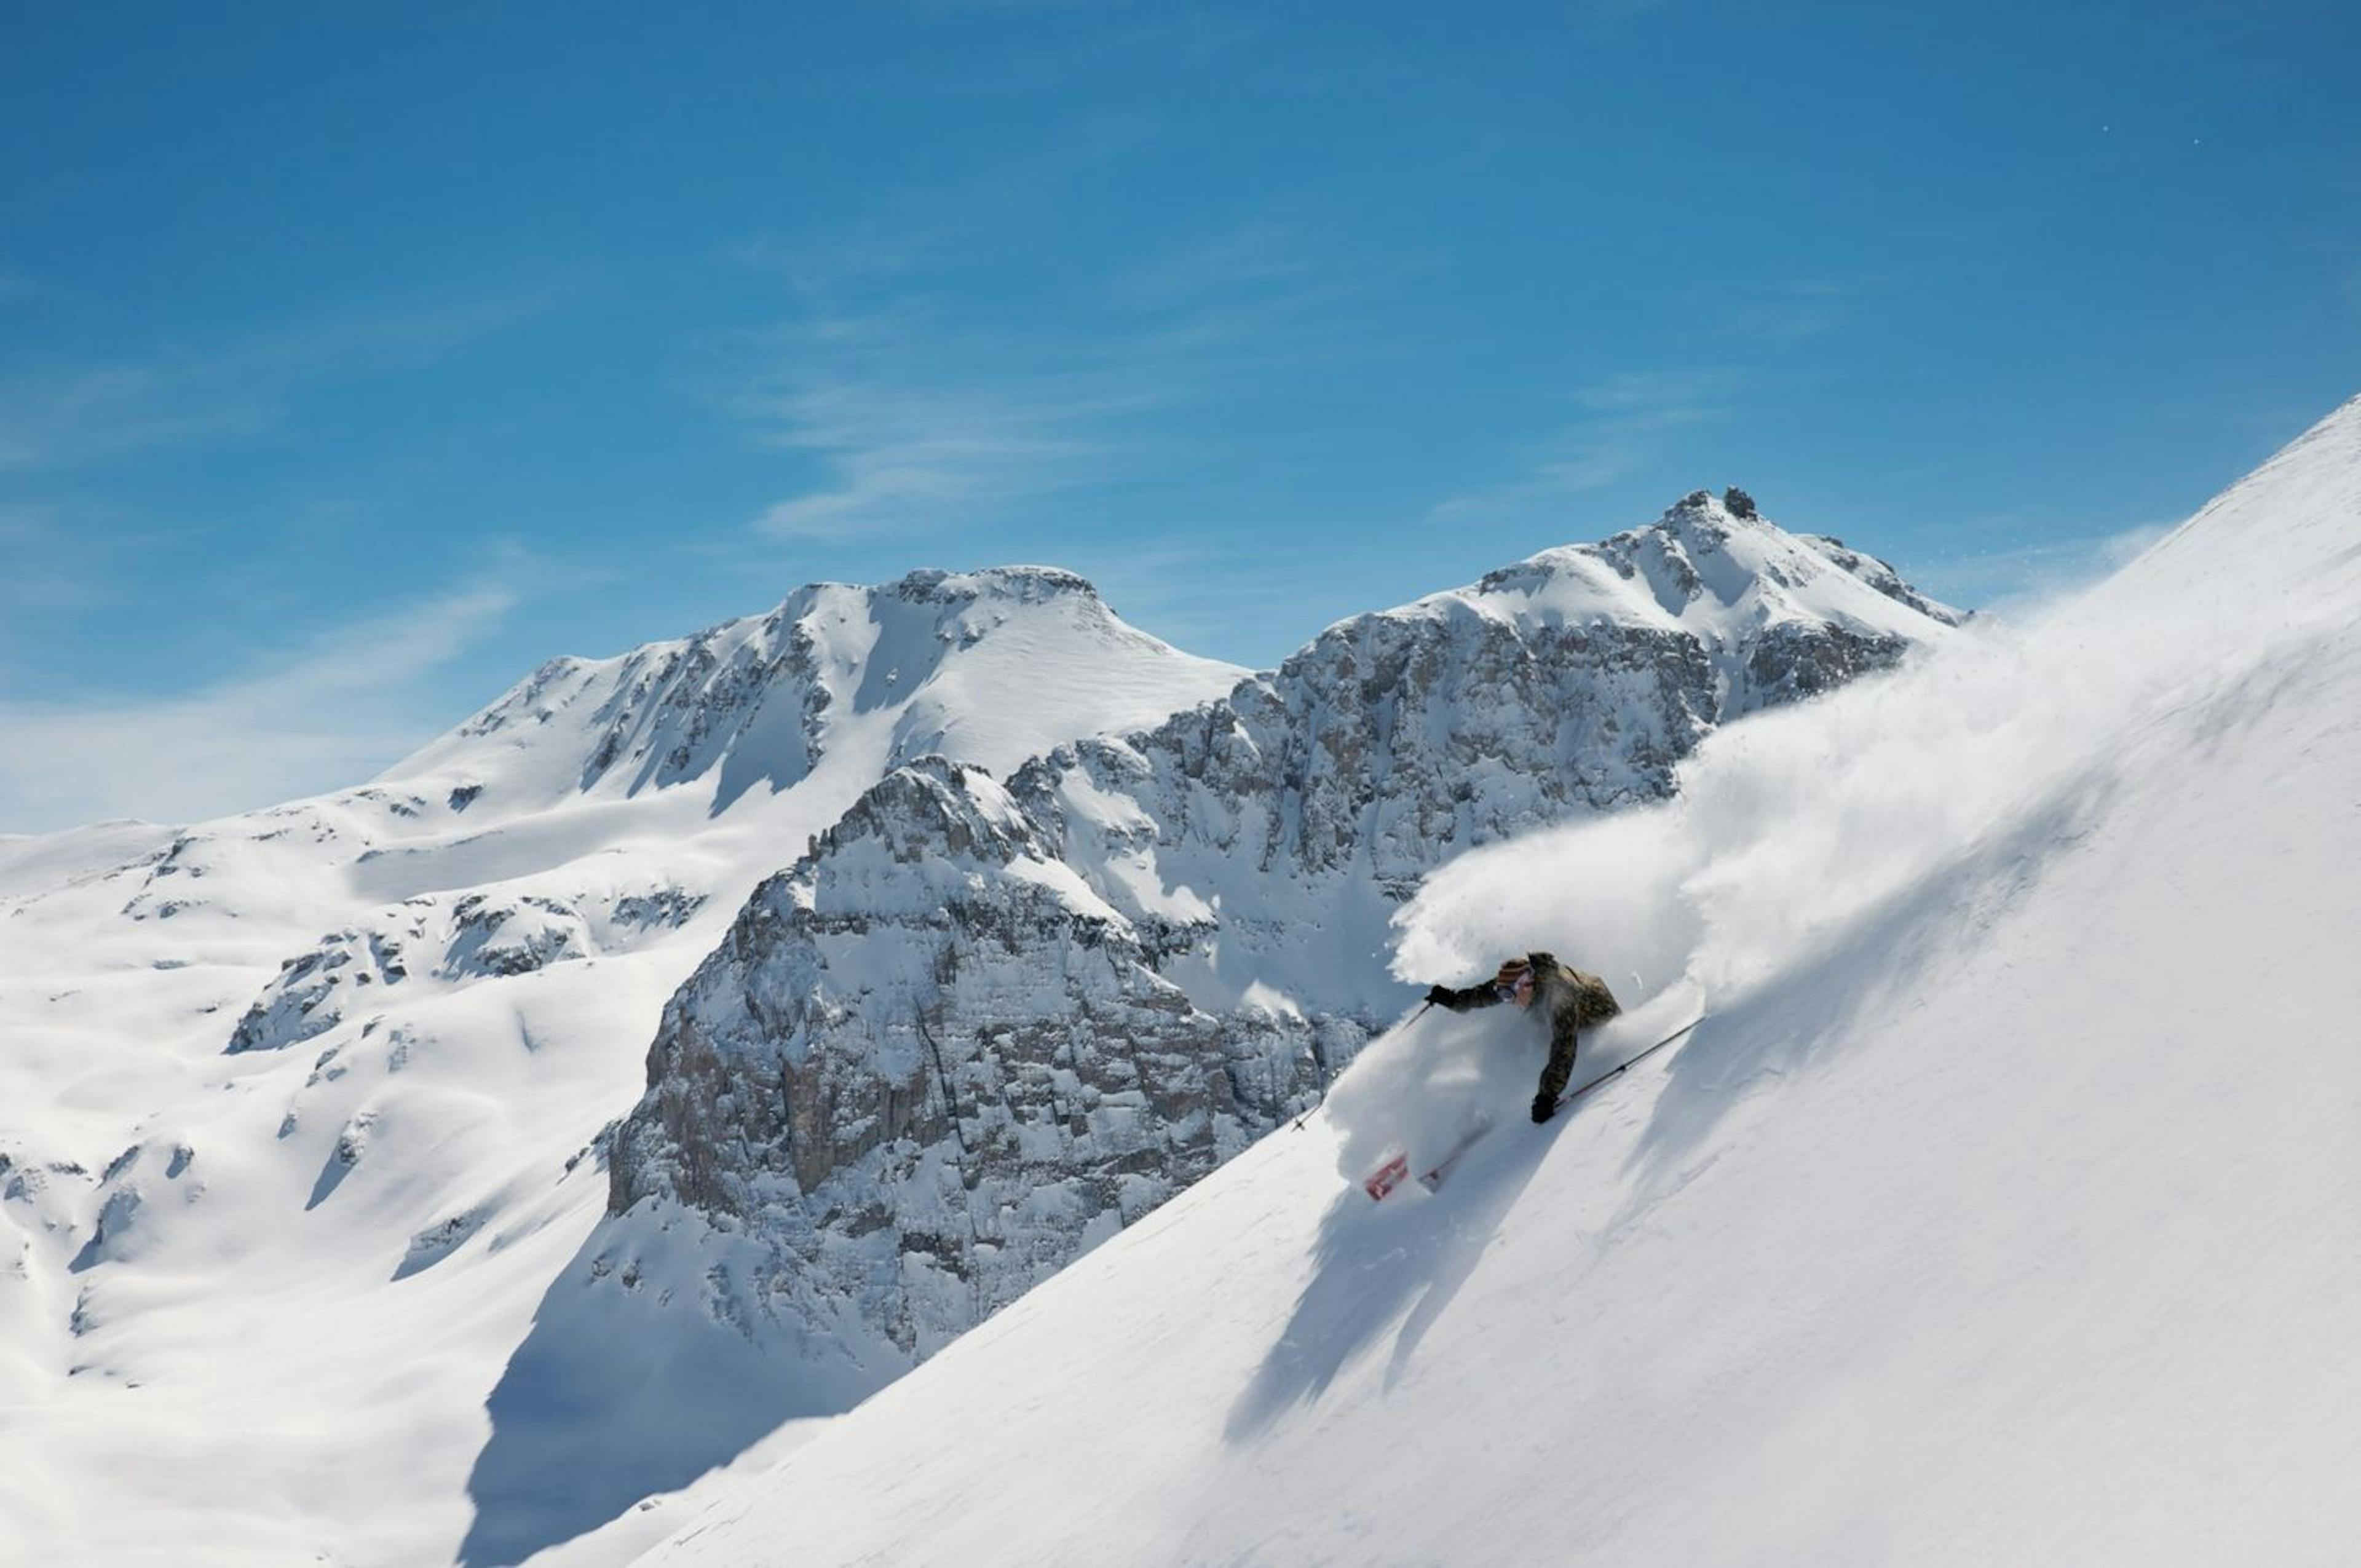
[(1573, 1000)]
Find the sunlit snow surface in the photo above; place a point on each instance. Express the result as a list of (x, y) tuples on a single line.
[(2002, 1210), (257, 1283)]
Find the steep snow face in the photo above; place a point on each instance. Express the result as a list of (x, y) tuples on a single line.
[(297, 1107), (977, 1031), (1998, 1210)]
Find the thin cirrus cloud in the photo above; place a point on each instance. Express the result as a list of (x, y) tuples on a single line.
[(1623, 425), (910, 422), (312, 717), (1253, 257), (48, 569), (905, 438), (1781, 313), (315, 719), (69, 415), (83, 415), (896, 454), (2015, 578)]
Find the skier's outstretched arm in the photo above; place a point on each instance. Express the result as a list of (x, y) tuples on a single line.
[(1484, 995)]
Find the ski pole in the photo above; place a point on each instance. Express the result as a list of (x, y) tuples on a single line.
[(1618, 1070)]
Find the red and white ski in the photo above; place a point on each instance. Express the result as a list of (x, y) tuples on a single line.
[(1389, 1176)]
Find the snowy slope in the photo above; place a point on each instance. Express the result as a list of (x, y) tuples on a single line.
[(297, 1107), (978, 1030), (2002, 1210)]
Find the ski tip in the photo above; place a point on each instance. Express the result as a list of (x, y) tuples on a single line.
[(1386, 1178)]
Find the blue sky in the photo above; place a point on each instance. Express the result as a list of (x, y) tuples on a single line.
[(355, 360)]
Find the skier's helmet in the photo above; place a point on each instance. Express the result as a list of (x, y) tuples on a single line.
[(1513, 973)]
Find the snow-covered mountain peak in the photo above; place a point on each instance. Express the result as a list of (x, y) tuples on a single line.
[(1710, 519), (1023, 584), (1711, 565), (927, 663), (1712, 558)]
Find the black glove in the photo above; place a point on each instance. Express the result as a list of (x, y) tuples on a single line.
[(1439, 997), (1545, 1106)]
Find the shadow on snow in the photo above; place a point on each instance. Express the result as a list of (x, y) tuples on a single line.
[(621, 1391), (1404, 1260)]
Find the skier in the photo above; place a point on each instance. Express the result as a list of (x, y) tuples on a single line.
[(1576, 1001)]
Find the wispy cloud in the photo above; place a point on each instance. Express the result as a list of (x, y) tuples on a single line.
[(1784, 313), (1242, 262), (321, 715), (2009, 578), (1006, 7), (1031, 45), (1198, 598), (65, 415), (40, 578), (22, 526), (914, 235), (1621, 425), (89, 414), (908, 436), (913, 420)]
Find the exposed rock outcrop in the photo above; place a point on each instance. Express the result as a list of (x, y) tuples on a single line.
[(929, 1063)]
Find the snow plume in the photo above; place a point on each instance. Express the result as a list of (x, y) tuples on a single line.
[(1791, 827), (1795, 828)]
